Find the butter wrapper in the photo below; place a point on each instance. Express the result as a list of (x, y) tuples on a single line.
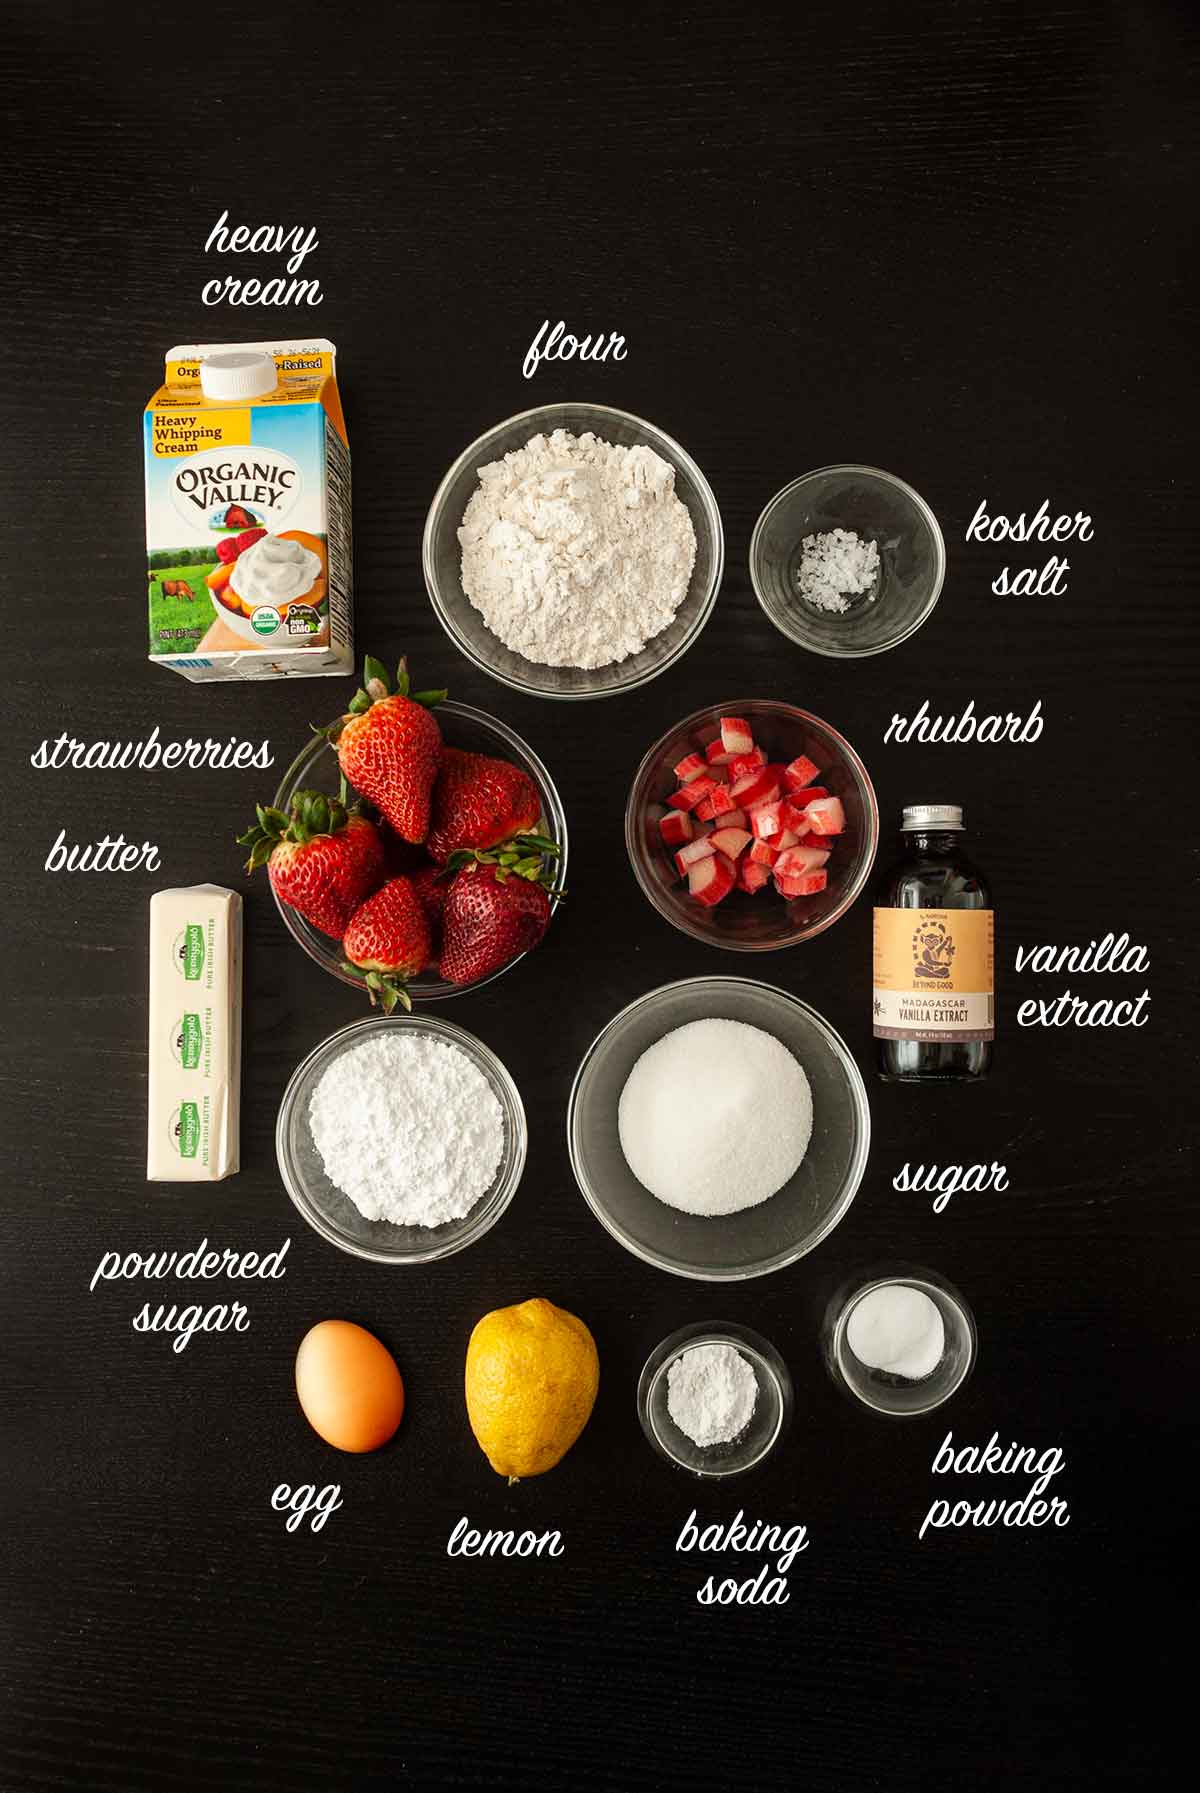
[(195, 1035)]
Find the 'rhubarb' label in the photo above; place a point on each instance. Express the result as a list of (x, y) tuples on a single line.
[(933, 974)]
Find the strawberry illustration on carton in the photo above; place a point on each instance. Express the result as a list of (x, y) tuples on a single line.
[(248, 513)]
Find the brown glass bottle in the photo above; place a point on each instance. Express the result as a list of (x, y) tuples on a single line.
[(933, 998)]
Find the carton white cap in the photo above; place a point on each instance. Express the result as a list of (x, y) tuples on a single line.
[(240, 374)]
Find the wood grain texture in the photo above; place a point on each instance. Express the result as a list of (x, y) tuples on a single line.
[(946, 241)]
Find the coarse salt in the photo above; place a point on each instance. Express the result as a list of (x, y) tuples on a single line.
[(834, 567)]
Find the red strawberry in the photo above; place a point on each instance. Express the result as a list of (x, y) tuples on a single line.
[(479, 802), (497, 908), (387, 942), (431, 887), (390, 747), (322, 860)]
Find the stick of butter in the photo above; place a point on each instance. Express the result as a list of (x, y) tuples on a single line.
[(195, 1034)]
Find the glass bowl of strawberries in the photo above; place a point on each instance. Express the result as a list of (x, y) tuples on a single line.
[(752, 825), (414, 898)]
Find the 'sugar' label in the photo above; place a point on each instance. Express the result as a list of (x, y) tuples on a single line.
[(933, 974)]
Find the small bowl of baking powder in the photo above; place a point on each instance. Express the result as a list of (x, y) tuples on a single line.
[(715, 1399), (573, 551), (401, 1138), (847, 561)]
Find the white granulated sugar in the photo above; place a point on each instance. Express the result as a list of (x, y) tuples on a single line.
[(408, 1128), (715, 1117), (576, 552), (711, 1394), (834, 567)]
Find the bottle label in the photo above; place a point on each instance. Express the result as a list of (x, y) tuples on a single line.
[(933, 974)]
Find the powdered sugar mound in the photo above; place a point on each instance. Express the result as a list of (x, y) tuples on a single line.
[(576, 552), (408, 1128), (715, 1117)]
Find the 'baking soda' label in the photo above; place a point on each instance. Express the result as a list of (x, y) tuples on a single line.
[(933, 974)]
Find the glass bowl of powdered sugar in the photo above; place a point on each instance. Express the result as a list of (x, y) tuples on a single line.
[(573, 551), (715, 1399), (401, 1138), (847, 561)]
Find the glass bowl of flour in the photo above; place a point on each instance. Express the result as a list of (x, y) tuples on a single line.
[(401, 1138), (573, 551), (722, 1113)]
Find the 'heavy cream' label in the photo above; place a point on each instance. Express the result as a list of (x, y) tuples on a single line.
[(933, 974), (195, 1034)]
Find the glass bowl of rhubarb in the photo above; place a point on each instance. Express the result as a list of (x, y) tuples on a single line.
[(442, 555), (752, 825), (316, 768), (847, 561)]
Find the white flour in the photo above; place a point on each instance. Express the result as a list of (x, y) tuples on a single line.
[(711, 1394), (408, 1129), (576, 552), (715, 1117)]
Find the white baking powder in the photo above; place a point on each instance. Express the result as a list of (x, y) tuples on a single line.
[(576, 552), (715, 1117), (898, 1329), (711, 1394), (408, 1128)]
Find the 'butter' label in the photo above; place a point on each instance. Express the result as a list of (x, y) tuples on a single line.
[(933, 974), (195, 1034)]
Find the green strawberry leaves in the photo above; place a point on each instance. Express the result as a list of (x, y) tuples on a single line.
[(523, 856), (312, 813), (385, 988)]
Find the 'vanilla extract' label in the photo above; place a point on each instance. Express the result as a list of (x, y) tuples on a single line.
[(933, 974)]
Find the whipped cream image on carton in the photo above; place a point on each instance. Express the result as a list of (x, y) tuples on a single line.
[(248, 513)]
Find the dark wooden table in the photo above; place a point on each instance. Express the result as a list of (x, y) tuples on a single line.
[(946, 241)]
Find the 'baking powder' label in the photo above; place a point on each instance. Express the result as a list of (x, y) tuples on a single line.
[(933, 974)]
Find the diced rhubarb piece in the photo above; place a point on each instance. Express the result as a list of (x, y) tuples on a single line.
[(734, 818), (736, 735), (797, 862), (751, 876), (721, 801), (717, 754), (690, 794), (690, 767), (801, 799), (730, 841), (719, 774), (826, 816), (766, 821), (757, 787), (801, 772), (808, 885), (763, 854), (694, 852), (742, 763), (711, 879), (676, 827), (704, 809), (787, 837), (795, 818)]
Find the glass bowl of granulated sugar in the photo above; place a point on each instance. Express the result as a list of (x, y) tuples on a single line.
[(752, 1140), (573, 551), (847, 561)]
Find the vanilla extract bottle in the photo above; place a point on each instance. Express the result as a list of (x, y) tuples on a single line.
[(934, 986)]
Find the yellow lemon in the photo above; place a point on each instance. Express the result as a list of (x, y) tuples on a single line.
[(532, 1376)]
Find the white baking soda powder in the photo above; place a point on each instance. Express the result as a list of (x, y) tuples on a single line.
[(408, 1128), (715, 1117), (711, 1394)]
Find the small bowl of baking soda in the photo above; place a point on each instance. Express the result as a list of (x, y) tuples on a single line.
[(847, 561), (715, 1399)]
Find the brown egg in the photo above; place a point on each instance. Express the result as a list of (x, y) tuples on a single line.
[(348, 1385)]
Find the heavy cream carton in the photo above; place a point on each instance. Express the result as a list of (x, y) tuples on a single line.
[(248, 513), (195, 1047)]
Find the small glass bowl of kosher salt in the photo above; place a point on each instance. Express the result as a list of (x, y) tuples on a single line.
[(769, 1420), (847, 561), (442, 554), (901, 1341), (330, 1211)]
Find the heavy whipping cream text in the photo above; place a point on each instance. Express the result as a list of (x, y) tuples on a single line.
[(275, 571)]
